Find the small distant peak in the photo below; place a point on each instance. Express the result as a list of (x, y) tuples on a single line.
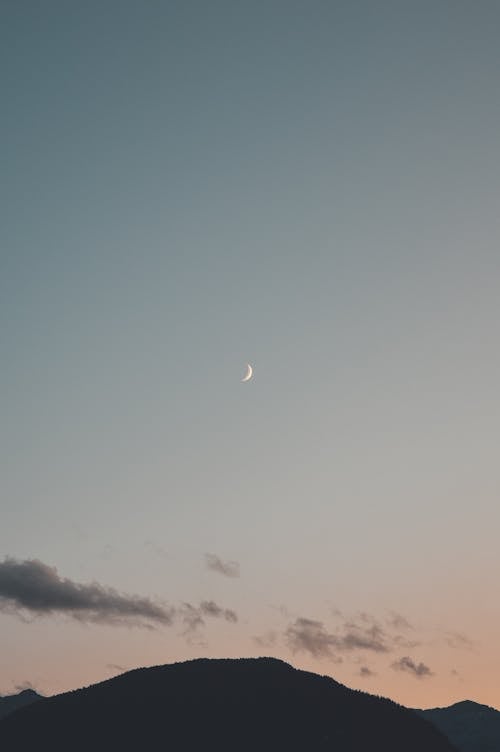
[(463, 707), (29, 693), (469, 706)]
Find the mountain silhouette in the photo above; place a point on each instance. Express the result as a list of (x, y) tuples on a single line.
[(470, 726), (225, 705), (9, 703)]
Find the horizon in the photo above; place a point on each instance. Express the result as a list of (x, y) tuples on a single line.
[(250, 364), (216, 659)]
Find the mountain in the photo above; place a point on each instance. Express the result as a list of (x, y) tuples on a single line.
[(12, 702), (470, 726), (225, 705)]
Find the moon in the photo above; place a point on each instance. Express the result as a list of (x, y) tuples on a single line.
[(248, 374)]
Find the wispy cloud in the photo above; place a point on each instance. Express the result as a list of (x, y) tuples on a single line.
[(192, 620), (311, 636), (398, 621), (459, 641), (33, 587), (419, 670), (357, 637), (267, 640), (404, 643), (226, 568), (193, 617), (210, 608), (366, 672), (23, 686)]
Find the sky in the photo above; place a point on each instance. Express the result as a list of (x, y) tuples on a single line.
[(308, 187)]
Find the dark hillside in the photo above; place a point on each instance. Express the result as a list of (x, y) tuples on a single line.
[(9, 703), (225, 705), (470, 726)]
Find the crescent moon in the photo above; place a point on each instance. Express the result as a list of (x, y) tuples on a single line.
[(249, 373)]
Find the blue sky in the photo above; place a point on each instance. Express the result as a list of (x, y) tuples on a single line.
[(308, 187)]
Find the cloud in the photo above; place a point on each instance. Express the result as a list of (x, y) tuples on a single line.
[(193, 616), (311, 637), (356, 637), (403, 643), (266, 640), (364, 632), (397, 621), (226, 568), (210, 608), (32, 586), (23, 686), (419, 670), (365, 672), (459, 641)]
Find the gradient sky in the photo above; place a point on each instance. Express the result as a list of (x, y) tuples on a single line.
[(311, 187)]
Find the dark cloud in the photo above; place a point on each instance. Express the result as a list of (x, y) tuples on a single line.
[(227, 568), (419, 670), (210, 608), (365, 672), (311, 637), (365, 632), (397, 621), (404, 644), (32, 586), (353, 637), (356, 637), (193, 617)]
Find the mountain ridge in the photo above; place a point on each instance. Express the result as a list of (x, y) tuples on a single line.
[(470, 726), (224, 704), (10, 703)]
